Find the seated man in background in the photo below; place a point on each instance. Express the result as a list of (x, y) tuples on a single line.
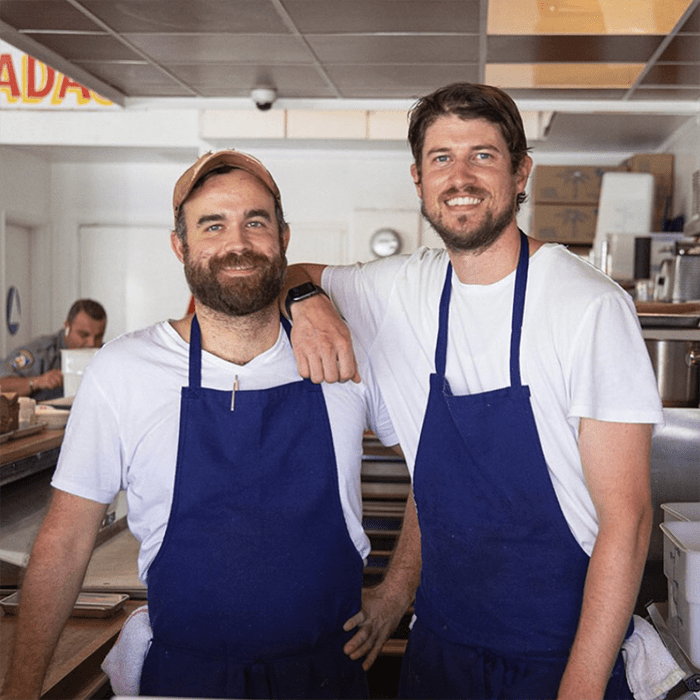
[(34, 369), (242, 479)]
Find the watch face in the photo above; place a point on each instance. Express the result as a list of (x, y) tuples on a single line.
[(385, 242)]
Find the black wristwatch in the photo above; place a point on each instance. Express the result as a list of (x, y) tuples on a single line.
[(303, 291)]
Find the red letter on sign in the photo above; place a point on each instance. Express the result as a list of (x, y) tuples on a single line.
[(32, 91), (8, 79), (68, 83)]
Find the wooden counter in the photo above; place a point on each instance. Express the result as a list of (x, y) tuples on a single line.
[(28, 455), (74, 671)]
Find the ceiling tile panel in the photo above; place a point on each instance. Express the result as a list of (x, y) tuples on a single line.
[(585, 16), (683, 47), (87, 47), (44, 14), (563, 75), (138, 79), (393, 77), (538, 93), (350, 49), (374, 16), (686, 94), (220, 48), (232, 80), (571, 49), (188, 15), (673, 74), (692, 24)]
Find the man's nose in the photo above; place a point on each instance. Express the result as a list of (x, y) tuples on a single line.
[(236, 239), (463, 172)]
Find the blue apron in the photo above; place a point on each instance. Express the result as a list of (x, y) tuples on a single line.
[(257, 571), (501, 570)]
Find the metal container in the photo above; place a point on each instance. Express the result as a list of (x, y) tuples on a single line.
[(676, 367), (679, 277), (675, 475)]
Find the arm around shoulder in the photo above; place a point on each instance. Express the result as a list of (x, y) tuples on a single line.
[(54, 576), (320, 338)]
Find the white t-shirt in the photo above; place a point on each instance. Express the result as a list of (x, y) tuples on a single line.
[(124, 424), (582, 352)]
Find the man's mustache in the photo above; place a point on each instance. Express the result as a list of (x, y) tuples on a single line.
[(247, 259)]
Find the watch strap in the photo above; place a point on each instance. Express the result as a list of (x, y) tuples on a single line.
[(299, 293)]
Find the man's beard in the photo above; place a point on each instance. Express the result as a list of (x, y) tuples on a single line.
[(236, 296), (478, 239)]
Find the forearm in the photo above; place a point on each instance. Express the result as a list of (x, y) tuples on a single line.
[(18, 385), (403, 574), (320, 338), (610, 594), (55, 573)]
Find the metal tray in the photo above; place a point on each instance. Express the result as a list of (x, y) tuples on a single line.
[(23, 432), (655, 314), (87, 604)]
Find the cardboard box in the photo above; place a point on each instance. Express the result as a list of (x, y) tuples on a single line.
[(565, 223), (682, 569), (571, 184), (660, 165)]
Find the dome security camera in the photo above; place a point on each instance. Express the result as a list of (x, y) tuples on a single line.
[(263, 98)]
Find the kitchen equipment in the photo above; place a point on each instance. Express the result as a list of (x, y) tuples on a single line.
[(624, 210), (676, 364), (679, 276)]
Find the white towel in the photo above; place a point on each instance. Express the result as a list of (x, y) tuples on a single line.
[(651, 670), (125, 660)]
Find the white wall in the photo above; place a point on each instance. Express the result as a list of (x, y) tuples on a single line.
[(322, 190), (25, 203)]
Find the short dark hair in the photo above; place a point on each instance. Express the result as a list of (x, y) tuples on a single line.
[(181, 226), (92, 308), (470, 101)]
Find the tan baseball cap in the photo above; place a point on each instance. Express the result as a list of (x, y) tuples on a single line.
[(210, 161)]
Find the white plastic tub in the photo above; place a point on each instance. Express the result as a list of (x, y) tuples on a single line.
[(682, 569)]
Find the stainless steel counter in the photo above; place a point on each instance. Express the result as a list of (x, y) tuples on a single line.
[(675, 467)]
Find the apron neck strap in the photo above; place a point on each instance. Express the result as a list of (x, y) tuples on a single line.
[(443, 323), (516, 322), (195, 354), (518, 310)]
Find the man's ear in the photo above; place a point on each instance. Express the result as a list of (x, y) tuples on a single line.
[(176, 245), (524, 173), (416, 179), (285, 239)]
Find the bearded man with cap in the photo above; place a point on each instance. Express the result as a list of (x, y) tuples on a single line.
[(242, 479)]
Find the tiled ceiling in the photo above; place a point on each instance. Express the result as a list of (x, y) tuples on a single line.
[(609, 50)]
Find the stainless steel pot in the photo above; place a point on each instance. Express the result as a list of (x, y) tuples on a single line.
[(676, 364)]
